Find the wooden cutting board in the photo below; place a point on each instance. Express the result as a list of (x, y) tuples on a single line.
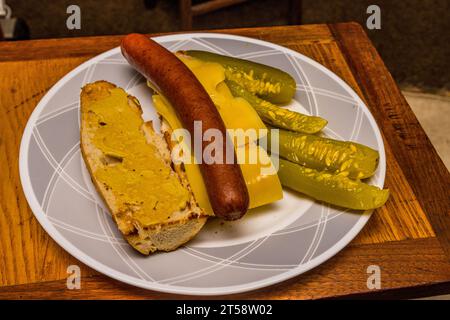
[(409, 238)]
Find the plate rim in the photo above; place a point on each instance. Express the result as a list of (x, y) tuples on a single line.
[(206, 291)]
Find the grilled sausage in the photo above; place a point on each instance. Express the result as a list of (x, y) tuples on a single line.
[(225, 184)]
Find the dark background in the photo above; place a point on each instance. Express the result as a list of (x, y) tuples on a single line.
[(413, 41)]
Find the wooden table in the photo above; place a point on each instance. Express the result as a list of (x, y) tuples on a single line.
[(409, 238)]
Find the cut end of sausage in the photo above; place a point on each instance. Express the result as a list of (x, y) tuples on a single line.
[(232, 216), (230, 204)]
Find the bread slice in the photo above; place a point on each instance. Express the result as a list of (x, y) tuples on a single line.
[(130, 165)]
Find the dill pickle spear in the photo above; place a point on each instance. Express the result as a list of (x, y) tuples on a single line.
[(267, 82), (335, 189), (276, 116), (321, 153)]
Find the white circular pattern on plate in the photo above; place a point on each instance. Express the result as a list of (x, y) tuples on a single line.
[(271, 244)]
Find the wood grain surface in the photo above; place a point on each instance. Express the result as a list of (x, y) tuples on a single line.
[(415, 263), (409, 238)]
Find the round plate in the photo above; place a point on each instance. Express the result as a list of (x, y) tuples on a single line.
[(270, 244)]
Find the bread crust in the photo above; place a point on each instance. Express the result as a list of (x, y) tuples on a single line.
[(164, 236)]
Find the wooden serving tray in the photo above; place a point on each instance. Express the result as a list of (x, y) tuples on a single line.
[(409, 238)]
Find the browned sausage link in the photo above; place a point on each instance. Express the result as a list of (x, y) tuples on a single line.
[(225, 184)]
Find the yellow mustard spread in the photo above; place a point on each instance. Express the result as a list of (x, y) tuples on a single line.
[(142, 183)]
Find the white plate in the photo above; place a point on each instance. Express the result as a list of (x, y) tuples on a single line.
[(268, 245)]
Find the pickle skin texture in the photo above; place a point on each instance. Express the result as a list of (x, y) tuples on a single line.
[(276, 116), (334, 189), (267, 82), (327, 154)]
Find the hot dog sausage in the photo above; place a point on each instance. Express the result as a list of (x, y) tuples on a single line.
[(225, 184)]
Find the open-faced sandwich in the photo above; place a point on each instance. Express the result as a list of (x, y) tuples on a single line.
[(149, 198)]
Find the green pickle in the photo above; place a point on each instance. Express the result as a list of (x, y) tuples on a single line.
[(326, 154), (267, 82), (325, 169), (335, 189), (276, 116)]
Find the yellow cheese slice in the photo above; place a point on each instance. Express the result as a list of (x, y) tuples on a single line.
[(237, 114), (262, 183)]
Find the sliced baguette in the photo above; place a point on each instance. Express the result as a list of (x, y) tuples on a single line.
[(180, 226)]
